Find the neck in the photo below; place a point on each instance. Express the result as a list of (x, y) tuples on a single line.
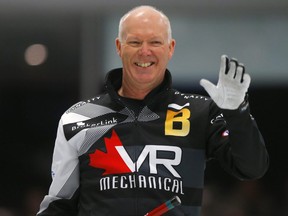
[(133, 93)]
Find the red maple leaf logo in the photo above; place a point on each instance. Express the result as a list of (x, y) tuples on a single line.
[(110, 161)]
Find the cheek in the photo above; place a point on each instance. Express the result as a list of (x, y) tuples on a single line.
[(126, 58), (165, 53), (130, 55), (165, 57)]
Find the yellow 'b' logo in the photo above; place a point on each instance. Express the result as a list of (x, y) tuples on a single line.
[(179, 118)]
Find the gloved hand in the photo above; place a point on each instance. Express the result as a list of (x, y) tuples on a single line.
[(232, 85)]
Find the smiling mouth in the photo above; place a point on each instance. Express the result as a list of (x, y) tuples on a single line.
[(144, 65)]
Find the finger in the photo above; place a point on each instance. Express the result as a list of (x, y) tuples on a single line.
[(209, 87), (224, 65), (232, 68), (240, 73), (246, 80)]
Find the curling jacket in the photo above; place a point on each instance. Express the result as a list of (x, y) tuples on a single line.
[(122, 157)]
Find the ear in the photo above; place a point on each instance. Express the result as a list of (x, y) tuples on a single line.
[(172, 48), (118, 46)]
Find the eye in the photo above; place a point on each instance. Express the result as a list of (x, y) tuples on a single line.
[(134, 43), (156, 43)]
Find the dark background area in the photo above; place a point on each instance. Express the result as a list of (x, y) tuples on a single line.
[(33, 98)]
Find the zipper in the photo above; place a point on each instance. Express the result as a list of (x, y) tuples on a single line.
[(135, 122)]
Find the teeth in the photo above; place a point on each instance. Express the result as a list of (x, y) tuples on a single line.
[(144, 64)]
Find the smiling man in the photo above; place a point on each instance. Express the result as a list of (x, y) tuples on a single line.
[(145, 46), (141, 143)]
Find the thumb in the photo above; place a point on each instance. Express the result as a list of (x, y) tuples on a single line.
[(209, 87)]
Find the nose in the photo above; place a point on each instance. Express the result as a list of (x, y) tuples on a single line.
[(145, 49)]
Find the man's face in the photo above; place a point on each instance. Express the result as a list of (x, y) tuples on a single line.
[(144, 49)]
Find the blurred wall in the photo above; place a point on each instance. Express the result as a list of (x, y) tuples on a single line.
[(260, 41), (78, 42)]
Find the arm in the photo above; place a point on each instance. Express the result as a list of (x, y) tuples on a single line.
[(236, 142), (62, 198), (243, 152)]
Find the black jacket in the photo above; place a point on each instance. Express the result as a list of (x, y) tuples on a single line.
[(119, 156)]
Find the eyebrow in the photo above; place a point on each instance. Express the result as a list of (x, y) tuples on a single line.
[(137, 38)]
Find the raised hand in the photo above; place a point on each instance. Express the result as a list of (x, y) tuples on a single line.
[(233, 83)]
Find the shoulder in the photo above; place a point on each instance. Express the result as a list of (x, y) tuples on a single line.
[(88, 109), (195, 98), (195, 102), (85, 103)]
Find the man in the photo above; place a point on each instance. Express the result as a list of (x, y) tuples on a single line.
[(133, 147)]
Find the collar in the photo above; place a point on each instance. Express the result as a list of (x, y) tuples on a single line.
[(113, 82)]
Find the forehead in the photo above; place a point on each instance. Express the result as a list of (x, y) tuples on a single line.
[(144, 33), (145, 23)]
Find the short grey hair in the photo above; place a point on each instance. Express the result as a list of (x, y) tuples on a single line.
[(165, 18)]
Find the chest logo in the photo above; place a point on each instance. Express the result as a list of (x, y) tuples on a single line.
[(177, 120), (116, 159)]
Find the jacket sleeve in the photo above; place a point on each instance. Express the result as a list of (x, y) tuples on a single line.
[(236, 142), (62, 197)]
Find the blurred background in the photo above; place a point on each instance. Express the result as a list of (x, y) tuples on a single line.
[(55, 53)]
